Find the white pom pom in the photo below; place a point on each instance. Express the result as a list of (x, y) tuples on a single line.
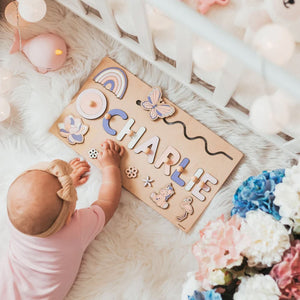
[(270, 114), (275, 43), (284, 11), (156, 19), (32, 10), (208, 57)]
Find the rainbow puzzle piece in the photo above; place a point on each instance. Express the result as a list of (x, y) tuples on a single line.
[(113, 79)]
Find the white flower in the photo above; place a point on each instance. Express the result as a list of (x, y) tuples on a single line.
[(287, 197), (259, 286), (268, 239), (219, 277), (190, 286)]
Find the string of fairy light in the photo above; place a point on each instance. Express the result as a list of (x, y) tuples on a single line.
[(18, 14)]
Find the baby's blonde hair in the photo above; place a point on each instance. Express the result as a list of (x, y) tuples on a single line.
[(33, 204), (42, 199)]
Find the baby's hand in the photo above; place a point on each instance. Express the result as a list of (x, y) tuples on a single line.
[(80, 168), (110, 155)]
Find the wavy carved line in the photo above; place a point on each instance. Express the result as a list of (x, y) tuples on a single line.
[(197, 137)]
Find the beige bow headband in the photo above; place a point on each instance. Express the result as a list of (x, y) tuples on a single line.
[(67, 193)]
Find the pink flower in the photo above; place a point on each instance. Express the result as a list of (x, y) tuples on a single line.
[(220, 246), (287, 272)]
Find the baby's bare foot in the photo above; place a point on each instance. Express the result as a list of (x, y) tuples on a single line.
[(110, 155)]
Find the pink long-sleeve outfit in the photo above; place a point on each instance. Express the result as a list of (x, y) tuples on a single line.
[(45, 268)]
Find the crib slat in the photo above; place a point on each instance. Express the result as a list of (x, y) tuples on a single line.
[(227, 82), (76, 4), (201, 26), (80, 6), (143, 32), (293, 145), (184, 44), (107, 16)]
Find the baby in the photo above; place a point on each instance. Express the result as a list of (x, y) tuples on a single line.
[(48, 236)]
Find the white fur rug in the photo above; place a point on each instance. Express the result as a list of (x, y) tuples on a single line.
[(139, 255)]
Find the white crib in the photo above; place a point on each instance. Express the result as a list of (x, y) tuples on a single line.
[(179, 65)]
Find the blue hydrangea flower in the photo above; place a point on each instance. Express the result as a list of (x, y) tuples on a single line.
[(207, 295), (257, 192)]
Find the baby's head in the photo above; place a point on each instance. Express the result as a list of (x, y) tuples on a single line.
[(42, 200)]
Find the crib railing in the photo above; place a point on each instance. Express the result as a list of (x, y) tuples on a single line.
[(189, 23)]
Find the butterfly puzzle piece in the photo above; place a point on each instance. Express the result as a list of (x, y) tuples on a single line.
[(158, 108)]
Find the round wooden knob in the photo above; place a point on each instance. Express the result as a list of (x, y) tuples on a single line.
[(147, 151), (194, 178), (93, 104), (131, 133), (179, 169), (202, 184), (167, 161), (107, 116)]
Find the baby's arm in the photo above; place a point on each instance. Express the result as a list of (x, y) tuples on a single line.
[(110, 191)]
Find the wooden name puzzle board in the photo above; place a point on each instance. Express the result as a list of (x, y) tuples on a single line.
[(172, 162)]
